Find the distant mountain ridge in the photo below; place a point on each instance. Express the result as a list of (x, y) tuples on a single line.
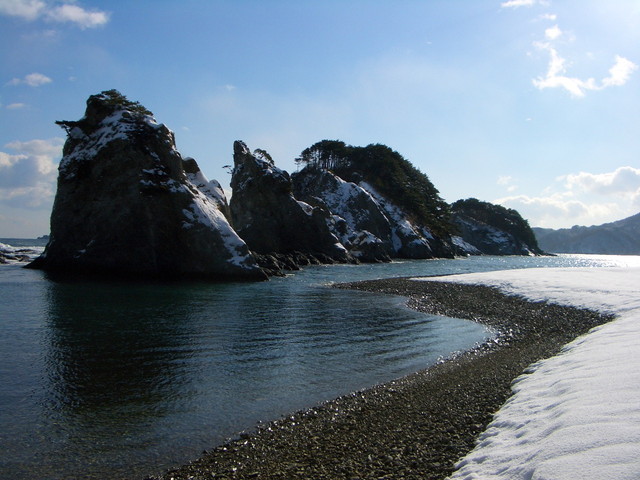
[(616, 238)]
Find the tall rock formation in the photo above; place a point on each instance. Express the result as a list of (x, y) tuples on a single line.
[(272, 221), (128, 203)]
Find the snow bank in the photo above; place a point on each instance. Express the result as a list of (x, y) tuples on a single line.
[(574, 415)]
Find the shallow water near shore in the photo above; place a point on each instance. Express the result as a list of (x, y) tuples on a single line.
[(114, 379)]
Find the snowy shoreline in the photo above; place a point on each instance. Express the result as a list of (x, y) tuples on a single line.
[(419, 426), (575, 414)]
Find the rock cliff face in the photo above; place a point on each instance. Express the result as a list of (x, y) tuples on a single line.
[(128, 203), (410, 239), (282, 229), (357, 218), (371, 226), (493, 229)]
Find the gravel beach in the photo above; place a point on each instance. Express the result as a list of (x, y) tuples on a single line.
[(415, 427)]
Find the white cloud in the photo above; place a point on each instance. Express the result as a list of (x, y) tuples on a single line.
[(561, 210), (8, 161), (580, 199), (78, 15), (507, 182), (32, 80), (15, 106), (69, 12), (619, 74), (552, 32), (35, 196), (556, 76), (622, 181), (27, 177), (25, 9), (522, 3)]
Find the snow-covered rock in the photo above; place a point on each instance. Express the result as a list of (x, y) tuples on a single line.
[(271, 220), (357, 218), (492, 230), (371, 226), (408, 239), (127, 202)]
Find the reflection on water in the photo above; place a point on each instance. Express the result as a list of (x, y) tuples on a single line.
[(139, 377), (107, 378)]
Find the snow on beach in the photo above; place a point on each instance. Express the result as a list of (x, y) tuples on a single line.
[(575, 415)]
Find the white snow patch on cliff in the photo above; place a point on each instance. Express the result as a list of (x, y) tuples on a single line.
[(205, 210), (401, 226), (117, 126), (341, 200)]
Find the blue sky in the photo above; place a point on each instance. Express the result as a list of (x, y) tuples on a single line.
[(528, 103)]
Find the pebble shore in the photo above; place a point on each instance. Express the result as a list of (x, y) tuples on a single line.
[(416, 427)]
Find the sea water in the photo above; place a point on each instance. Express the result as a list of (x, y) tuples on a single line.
[(113, 379)]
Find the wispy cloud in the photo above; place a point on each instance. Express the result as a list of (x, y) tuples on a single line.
[(69, 12), (78, 15), (507, 182), (523, 3), (32, 80), (25, 9), (16, 106), (556, 76)]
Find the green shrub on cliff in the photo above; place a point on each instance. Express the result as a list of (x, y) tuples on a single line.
[(388, 172)]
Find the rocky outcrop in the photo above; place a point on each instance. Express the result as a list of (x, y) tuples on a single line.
[(357, 219), (127, 203), (371, 226), (283, 230), (410, 239), (11, 254), (492, 229)]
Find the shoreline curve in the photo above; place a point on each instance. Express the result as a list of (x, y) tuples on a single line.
[(415, 427)]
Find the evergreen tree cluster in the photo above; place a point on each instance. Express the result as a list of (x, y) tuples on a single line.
[(388, 172), (115, 98), (111, 99)]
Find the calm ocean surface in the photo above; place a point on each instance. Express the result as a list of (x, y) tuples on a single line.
[(111, 379)]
